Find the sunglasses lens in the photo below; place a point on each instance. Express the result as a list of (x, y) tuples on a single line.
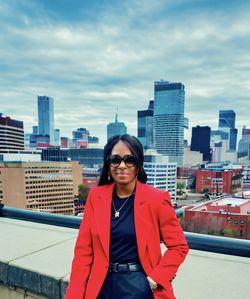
[(130, 160), (114, 160)]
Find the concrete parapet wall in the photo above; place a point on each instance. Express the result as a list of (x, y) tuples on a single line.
[(35, 262), (17, 293)]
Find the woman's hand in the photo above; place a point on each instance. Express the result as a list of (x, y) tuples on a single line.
[(153, 284)]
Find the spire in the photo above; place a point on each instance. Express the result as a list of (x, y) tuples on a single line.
[(116, 116)]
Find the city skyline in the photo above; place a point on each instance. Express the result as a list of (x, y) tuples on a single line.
[(94, 57)]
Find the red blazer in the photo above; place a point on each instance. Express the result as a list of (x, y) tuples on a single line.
[(154, 219)]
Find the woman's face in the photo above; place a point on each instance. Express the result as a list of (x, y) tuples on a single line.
[(122, 174)]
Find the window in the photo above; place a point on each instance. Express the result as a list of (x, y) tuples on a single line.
[(242, 222)]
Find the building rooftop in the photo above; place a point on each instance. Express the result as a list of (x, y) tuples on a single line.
[(242, 205), (35, 259), (230, 200)]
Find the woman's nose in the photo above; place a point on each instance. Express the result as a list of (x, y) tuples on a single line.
[(122, 165)]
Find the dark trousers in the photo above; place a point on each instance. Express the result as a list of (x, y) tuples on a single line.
[(125, 285)]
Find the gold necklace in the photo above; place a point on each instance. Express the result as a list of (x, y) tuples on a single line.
[(117, 212)]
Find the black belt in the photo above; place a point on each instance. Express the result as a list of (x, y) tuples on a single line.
[(129, 267)]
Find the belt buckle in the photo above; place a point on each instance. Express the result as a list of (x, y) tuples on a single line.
[(128, 268), (115, 267)]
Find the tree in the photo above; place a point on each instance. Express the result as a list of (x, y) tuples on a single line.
[(83, 192), (180, 187)]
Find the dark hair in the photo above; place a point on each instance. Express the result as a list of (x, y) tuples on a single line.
[(136, 149)]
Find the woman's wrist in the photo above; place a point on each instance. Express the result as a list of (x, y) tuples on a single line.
[(153, 284)]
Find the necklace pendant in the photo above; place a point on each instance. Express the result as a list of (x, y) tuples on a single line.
[(117, 214)]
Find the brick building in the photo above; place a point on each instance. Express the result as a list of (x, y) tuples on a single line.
[(215, 182), (224, 217)]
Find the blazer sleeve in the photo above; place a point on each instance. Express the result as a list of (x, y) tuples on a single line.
[(83, 257), (174, 239)]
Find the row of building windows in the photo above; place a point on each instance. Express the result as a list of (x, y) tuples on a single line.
[(45, 191), (7, 139), (52, 176), (54, 205), (42, 166), (59, 195), (50, 186), (236, 220), (50, 171), (49, 200), (49, 181), (161, 171)]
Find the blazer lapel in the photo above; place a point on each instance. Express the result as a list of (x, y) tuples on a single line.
[(102, 211), (143, 223)]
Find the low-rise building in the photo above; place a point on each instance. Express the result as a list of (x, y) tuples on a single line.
[(228, 216), (11, 135), (42, 186), (161, 173), (218, 181)]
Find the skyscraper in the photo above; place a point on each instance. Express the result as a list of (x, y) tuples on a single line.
[(169, 119), (145, 126), (244, 146), (116, 128), (200, 141), (46, 117), (227, 124)]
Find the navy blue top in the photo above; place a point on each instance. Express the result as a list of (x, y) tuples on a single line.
[(123, 245)]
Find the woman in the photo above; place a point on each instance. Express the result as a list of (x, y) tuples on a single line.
[(117, 252)]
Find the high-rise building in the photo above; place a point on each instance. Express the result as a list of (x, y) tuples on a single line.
[(169, 119), (227, 124), (244, 146), (200, 141), (116, 128), (11, 134), (145, 126), (46, 117)]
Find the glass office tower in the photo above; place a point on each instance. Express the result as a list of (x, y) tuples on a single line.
[(46, 117), (169, 120), (116, 128), (145, 126), (227, 124), (200, 141)]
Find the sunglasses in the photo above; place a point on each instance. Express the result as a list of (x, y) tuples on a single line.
[(116, 160)]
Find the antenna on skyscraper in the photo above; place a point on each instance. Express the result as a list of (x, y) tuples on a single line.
[(116, 116)]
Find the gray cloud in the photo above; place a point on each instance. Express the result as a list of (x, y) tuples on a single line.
[(94, 66)]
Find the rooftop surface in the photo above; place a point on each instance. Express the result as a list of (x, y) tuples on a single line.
[(230, 200), (37, 258)]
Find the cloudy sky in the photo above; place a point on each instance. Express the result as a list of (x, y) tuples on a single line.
[(93, 56)]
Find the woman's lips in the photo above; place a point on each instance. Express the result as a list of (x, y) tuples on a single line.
[(121, 174)]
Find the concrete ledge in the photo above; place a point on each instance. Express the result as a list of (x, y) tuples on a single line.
[(35, 262), (17, 293), (40, 261), (3, 272)]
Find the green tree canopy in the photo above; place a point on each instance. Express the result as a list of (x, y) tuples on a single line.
[(83, 192)]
